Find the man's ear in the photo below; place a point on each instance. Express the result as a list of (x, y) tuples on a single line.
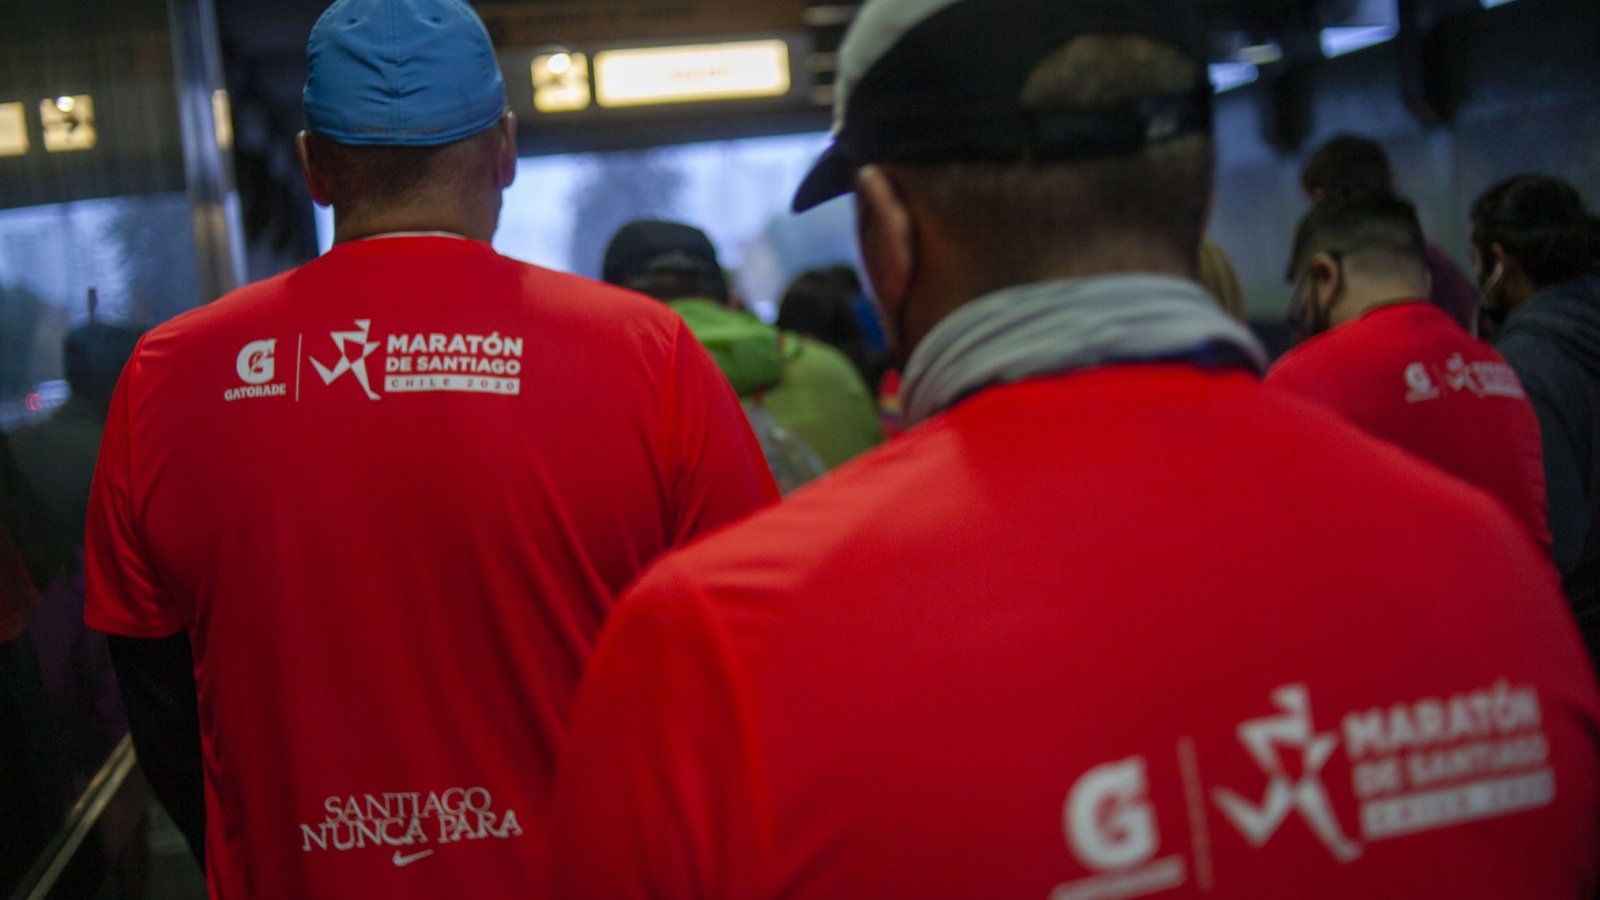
[(316, 184), (1497, 255), (1327, 278), (888, 243), (506, 164)]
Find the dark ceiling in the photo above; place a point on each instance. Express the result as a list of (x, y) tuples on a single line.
[(264, 43), (263, 47)]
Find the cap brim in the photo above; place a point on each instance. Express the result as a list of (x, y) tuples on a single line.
[(831, 176)]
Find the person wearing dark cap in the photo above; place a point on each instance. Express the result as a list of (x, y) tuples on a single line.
[(810, 390), (57, 455), (1114, 619), (1382, 356), (56, 458), (1351, 164), (388, 498)]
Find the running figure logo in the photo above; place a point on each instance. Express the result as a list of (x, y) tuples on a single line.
[(347, 341), (1266, 739)]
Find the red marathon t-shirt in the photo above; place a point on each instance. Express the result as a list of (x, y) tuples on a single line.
[(391, 496), (1143, 631), (1412, 376)]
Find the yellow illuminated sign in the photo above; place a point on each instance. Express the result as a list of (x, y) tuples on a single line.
[(561, 82), (13, 129), (68, 123), (222, 119), (688, 74)]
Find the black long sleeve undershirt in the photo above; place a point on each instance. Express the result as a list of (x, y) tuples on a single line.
[(157, 681)]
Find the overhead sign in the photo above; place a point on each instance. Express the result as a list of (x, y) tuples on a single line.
[(561, 82), (657, 75), (572, 22), (13, 129), (68, 123)]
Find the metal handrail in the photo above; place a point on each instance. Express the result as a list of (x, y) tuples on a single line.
[(81, 820)]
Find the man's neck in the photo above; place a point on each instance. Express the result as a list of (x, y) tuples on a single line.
[(363, 225), (1377, 298)]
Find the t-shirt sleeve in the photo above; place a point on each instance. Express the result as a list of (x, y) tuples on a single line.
[(124, 595), (721, 475), (660, 792)]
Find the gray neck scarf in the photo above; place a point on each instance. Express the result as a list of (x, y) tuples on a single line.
[(1061, 326)]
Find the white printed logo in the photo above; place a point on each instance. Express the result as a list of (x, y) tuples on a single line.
[(256, 364), (407, 820), (458, 362), (401, 860), (1110, 825), (1291, 730), (1109, 822), (1485, 378), (1419, 384), (1438, 762), (348, 342), (1415, 767)]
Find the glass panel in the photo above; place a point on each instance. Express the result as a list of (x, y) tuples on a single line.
[(93, 203), (562, 210)]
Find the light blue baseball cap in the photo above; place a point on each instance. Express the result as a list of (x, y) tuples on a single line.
[(401, 73)]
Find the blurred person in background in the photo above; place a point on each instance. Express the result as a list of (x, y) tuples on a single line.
[(1382, 356), (821, 305), (1115, 619), (57, 458), (808, 388), (1536, 246), (57, 455), (1218, 277), (1351, 164), (33, 554), (387, 499)]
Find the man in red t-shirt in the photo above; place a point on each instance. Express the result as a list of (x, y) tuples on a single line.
[(390, 496), (1352, 164), (1391, 362), (1113, 619)]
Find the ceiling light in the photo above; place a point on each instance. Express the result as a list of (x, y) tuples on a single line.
[(1260, 54), (1349, 39), (1230, 75)]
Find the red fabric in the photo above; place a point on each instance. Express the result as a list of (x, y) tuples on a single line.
[(391, 599), (1018, 654), (1411, 376)]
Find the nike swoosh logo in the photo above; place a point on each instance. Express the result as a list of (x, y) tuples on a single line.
[(401, 861)]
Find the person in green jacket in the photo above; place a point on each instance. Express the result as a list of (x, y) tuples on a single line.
[(812, 391)]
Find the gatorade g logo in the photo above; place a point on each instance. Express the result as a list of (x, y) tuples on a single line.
[(1110, 826), (256, 364), (1108, 818)]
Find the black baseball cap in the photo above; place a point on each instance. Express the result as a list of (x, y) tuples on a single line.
[(638, 244), (942, 81)]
